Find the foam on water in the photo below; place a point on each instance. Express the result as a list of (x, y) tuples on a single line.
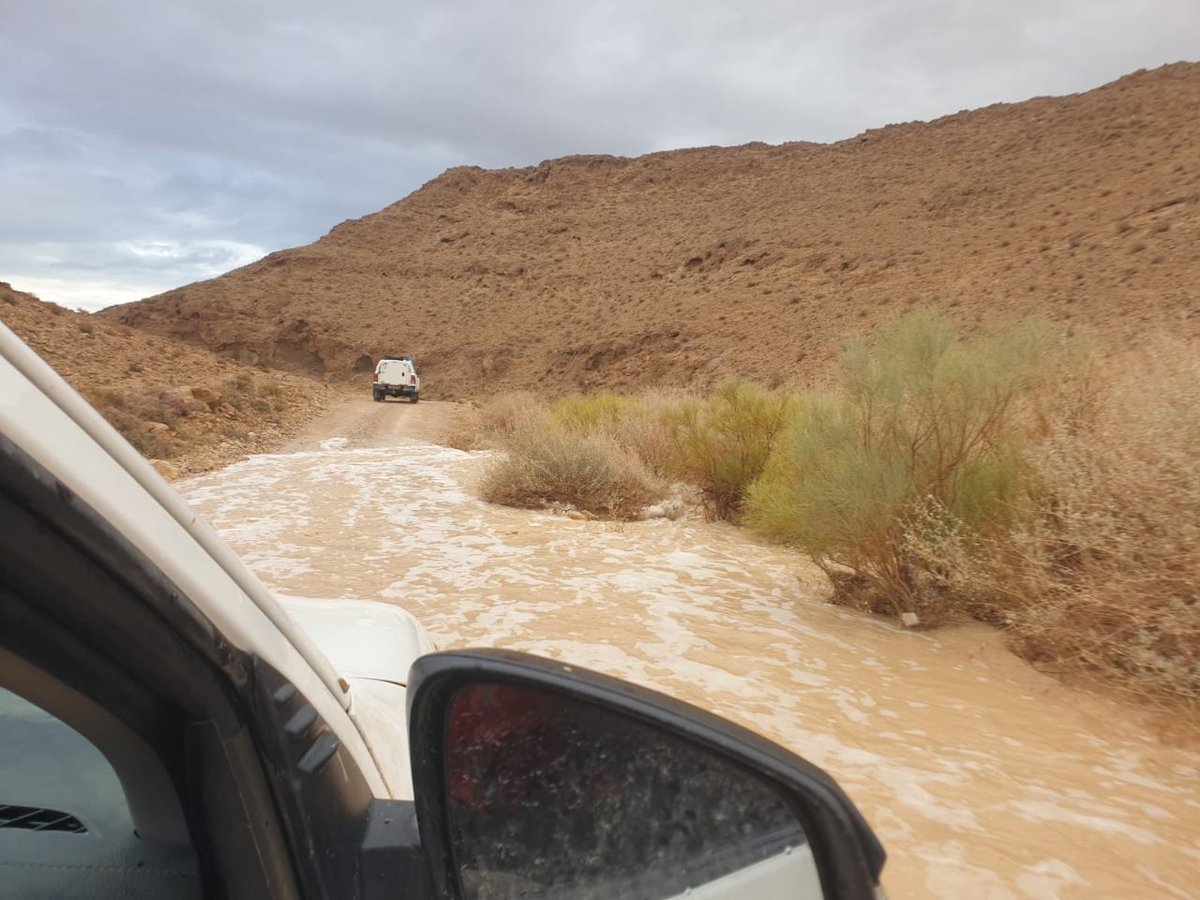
[(984, 778)]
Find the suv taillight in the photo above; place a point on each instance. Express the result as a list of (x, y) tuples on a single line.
[(375, 377), (412, 379)]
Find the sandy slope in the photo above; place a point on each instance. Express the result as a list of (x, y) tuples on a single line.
[(687, 266), (181, 405)]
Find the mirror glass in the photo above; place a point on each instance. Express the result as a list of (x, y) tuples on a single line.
[(550, 796)]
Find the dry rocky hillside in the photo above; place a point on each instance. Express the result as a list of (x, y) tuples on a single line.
[(185, 408), (687, 266)]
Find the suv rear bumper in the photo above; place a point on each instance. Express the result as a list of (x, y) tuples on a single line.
[(395, 390)]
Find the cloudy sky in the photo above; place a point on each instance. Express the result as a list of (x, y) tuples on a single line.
[(146, 144)]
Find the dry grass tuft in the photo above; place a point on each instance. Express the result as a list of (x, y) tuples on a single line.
[(486, 427), (545, 465), (1111, 565)]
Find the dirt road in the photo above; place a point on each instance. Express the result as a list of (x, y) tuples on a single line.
[(982, 777), (364, 423)]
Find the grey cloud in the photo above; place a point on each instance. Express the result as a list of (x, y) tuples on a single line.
[(264, 124)]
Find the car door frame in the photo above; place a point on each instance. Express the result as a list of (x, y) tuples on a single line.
[(85, 605)]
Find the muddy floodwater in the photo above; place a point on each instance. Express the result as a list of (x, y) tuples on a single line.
[(983, 778)]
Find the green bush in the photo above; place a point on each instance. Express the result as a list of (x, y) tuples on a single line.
[(544, 464), (722, 443), (920, 446), (592, 413)]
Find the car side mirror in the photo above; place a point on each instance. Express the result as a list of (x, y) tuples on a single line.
[(537, 779)]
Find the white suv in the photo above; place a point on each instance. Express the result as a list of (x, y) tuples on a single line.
[(396, 376)]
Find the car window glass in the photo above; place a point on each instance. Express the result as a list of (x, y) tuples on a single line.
[(45, 763), (65, 827)]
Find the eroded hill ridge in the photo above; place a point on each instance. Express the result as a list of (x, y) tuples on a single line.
[(686, 266)]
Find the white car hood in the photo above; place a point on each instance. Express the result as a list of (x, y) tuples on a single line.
[(371, 646), (362, 638)]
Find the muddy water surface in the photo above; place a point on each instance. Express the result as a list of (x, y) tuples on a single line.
[(982, 777)]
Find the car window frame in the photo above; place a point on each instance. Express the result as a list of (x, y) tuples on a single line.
[(147, 634)]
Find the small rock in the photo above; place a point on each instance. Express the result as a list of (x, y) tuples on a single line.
[(227, 411), (155, 427), (672, 508), (910, 619)]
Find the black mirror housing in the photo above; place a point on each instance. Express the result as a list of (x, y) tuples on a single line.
[(738, 783)]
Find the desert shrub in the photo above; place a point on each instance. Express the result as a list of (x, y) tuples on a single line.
[(503, 414), (244, 393), (239, 392), (592, 413), (544, 464), (147, 407), (486, 426), (647, 432), (463, 433), (1111, 562), (273, 389), (175, 406), (643, 425), (923, 437), (150, 444), (721, 443), (129, 413), (1102, 573)]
